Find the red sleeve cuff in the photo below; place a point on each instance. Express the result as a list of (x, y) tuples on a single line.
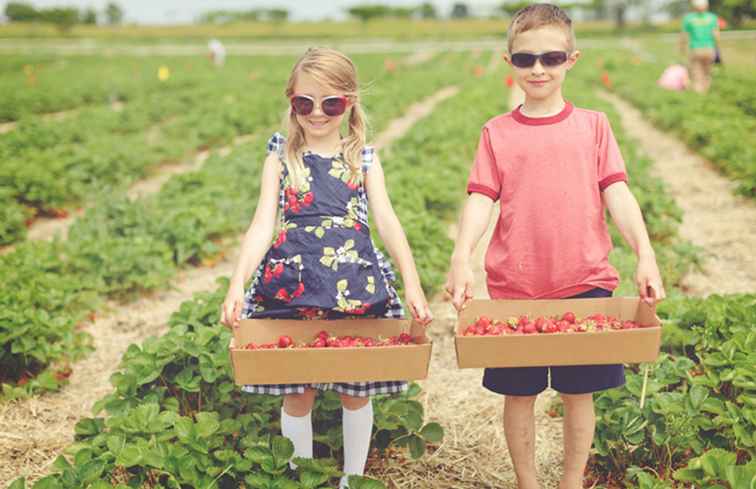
[(613, 178), (482, 189)]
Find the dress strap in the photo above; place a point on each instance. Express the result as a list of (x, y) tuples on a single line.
[(368, 154), (277, 144)]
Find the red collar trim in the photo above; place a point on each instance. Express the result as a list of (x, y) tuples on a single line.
[(542, 121)]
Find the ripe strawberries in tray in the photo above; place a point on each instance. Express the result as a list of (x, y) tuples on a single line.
[(324, 340), (566, 323)]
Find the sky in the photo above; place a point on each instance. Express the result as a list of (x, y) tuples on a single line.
[(185, 11)]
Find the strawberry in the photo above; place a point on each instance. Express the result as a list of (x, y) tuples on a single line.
[(318, 343), (299, 291), (282, 295), (323, 334), (569, 317), (563, 326), (540, 324), (250, 346), (281, 239), (522, 321), (629, 325), (530, 328), (551, 327), (483, 321), (267, 275), (285, 341), (405, 338)]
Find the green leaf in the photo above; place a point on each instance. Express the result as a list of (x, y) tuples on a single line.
[(207, 424), (129, 456), (361, 482), (282, 447), (432, 432), (18, 484), (416, 446)]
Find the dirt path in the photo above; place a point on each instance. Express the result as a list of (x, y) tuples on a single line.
[(474, 453), (714, 217), (35, 431)]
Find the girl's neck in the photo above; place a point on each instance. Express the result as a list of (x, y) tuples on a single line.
[(327, 145), (547, 107)]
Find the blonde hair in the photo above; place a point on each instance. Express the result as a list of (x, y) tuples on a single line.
[(332, 69), (539, 15)]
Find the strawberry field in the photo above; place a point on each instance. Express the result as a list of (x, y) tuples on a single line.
[(173, 417)]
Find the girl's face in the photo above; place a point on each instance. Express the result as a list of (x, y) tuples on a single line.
[(317, 124), (543, 79)]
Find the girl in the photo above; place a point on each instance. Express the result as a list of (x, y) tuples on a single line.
[(323, 263)]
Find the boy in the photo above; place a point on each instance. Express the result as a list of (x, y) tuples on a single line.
[(700, 35), (554, 167)]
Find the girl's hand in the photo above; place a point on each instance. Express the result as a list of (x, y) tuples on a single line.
[(648, 280), (418, 306), (232, 306), (459, 284)]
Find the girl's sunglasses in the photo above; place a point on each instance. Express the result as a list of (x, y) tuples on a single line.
[(550, 59), (331, 106)]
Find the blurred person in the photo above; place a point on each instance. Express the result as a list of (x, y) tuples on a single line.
[(699, 40), (217, 52)]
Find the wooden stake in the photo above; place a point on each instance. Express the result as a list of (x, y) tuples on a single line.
[(645, 384)]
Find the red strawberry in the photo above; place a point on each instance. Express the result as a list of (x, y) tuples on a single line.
[(539, 324), (322, 334), (295, 207), (563, 326), (250, 346), (530, 328), (299, 291), (370, 342), (523, 320), (569, 317), (405, 338), (629, 325), (319, 343), (282, 295), (285, 341), (551, 327), (281, 239)]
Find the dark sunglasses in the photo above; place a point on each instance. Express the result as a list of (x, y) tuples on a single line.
[(331, 106), (550, 59)]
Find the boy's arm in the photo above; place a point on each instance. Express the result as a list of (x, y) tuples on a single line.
[(473, 223), (391, 232), (627, 216)]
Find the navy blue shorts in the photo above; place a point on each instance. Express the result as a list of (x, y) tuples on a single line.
[(576, 379)]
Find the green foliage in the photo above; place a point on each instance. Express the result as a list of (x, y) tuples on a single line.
[(114, 13)]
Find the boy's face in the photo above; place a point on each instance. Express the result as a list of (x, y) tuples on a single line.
[(541, 82)]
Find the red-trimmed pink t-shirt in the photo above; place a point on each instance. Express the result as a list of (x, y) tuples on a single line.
[(551, 238)]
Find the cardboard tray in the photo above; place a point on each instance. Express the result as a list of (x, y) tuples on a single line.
[(312, 365), (606, 347)]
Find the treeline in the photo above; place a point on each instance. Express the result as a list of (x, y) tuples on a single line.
[(63, 17)]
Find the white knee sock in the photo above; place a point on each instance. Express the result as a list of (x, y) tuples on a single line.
[(357, 427), (299, 430)]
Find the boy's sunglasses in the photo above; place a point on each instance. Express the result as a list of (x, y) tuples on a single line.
[(331, 106), (550, 59)]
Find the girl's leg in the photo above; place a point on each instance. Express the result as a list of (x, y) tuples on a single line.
[(296, 422), (519, 429), (357, 430), (579, 425)]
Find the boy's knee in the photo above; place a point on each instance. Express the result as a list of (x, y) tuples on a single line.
[(353, 403), (521, 401), (573, 399), (299, 404)]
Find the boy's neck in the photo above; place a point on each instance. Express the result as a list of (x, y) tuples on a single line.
[(547, 107)]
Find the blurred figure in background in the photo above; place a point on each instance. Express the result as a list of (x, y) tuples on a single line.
[(700, 37), (217, 52)]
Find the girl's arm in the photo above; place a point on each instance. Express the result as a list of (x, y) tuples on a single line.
[(256, 240), (392, 234), (473, 223), (627, 216)]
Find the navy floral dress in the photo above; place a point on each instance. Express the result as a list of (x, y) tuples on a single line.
[(323, 263)]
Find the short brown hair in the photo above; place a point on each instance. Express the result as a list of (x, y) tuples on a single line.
[(540, 15)]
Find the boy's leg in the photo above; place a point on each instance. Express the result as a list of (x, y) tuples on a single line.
[(357, 430), (521, 386), (296, 422), (579, 426), (519, 429), (576, 385)]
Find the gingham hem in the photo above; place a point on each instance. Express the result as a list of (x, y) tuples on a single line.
[(354, 389)]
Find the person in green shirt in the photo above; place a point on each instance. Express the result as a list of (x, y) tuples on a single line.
[(699, 37)]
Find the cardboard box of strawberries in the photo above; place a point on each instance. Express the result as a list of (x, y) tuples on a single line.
[(530, 333), (280, 351)]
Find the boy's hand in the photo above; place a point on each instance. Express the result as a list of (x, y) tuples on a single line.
[(418, 306), (232, 306), (459, 284), (648, 280)]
